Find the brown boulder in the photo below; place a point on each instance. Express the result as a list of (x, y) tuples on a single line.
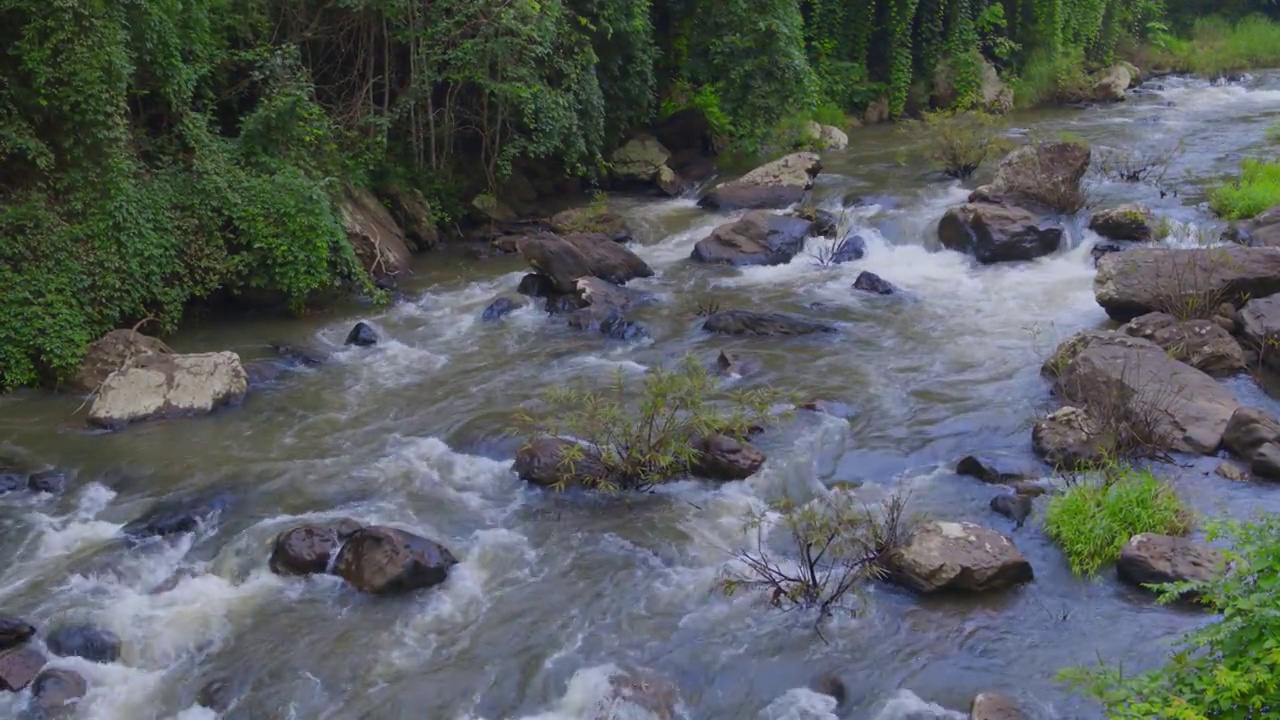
[(1143, 280), (1127, 222), (379, 241), (565, 258), (777, 184), (109, 353), (757, 238), (957, 556), (19, 667), (1202, 344), (1042, 175), (990, 706), (383, 560), (1152, 559), (1253, 435), (548, 461), (997, 233), (723, 458), (308, 549)]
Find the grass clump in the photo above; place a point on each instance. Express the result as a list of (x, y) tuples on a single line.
[(1227, 670), (1096, 516), (635, 438), (1257, 189), (1047, 78), (961, 141)]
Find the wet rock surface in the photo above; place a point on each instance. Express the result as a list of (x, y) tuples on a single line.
[(84, 641), (958, 557), (382, 561), (748, 322)]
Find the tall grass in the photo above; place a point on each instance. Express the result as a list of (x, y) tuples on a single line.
[(1218, 47), (1257, 189), (1094, 518), (1046, 78)]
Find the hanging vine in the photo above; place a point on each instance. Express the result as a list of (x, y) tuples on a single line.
[(901, 13)]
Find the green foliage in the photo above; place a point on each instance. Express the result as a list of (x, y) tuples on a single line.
[(1045, 78), (961, 142), (645, 437), (703, 99), (1256, 190), (834, 543), (1228, 670), (1096, 516), (1216, 45)]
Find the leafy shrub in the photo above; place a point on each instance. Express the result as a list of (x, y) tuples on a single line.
[(647, 437), (1218, 47), (1096, 516), (1257, 189), (1227, 670), (961, 141), (838, 542), (1046, 77)]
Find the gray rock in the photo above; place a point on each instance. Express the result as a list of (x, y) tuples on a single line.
[(958, 556), (998, 233), (1111, 86), (1152, 559), (362, 335), (1069, 439), (723, 458), (84, 641), (995, 468), (57, 691), (1260, 328), (747, 322), (164, 386), (757, 238), (1144, 280), (777, 184), (19, 667), (565, 258), (1262, 230), (1202, 344), (109, 353), (873, 283), (1014, 506), (500, 308), (1126, 222), (1038, 175), (1253, 435)]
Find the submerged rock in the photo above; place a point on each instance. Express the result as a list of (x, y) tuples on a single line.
[(1126, 222), (616, 326), (640, 694), (548, 461), (747, 322), (732, 366), (990, 706), (997, 233), (84, 641), (164, 386), (536, 285), (362, 335), (757, 238), (777, 184), (110, 352), (500, 308), (1152, 559), (57, 691), (175, 517), (850, 248), (11, 481), (1144, 280), (723, 458), (1202, 344), (873, 283), (47, 481), (958, 556), (996, 468), (1014, 506), (1253, 434), (14, 631), (19, 666), (382, 560), (308, 549)]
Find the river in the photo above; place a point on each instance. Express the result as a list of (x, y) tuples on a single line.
[(553, 589)]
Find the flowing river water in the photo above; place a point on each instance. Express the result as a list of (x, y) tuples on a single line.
[(553, 590)]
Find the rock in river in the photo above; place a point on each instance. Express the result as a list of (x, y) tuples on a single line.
[(565, 258), (549, 461), (990, 706), (362, 335), (1041, 175), (110, 352), (84, 641), (1143, 280), (14, 631), (162, 386), (1262, 230), (958, 556), (1260, 327), (1069, 439), (873, 283), (998, 233), (500, 308), (757, 238), (56, 692), (1202, 344), (1126, 222), (176, 516), (996, 468), (383, 560), (1151, 559), (308, 549), (777, 184), (1253, 435), (723, 458), (19, 667), (747, 322)]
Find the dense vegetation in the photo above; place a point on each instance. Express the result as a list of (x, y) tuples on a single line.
[(163, 151), (1096, 516)]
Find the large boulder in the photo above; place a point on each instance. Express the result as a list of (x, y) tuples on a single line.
[(990, 706), (639, 161), (957, 556), (720, 457), (84, 641), (19, 667), (382, 560), (308, 549), (749, 322), (1112, 84), (1143, 280), (163, 386), (1253, 434), (1127, 222), (1202, 344), (757, 238), (1260, 327), (1070, 439), (777, 184), (1152, 559), (1262, 230), (1131, 383), (14, 631), (565, 258), (591, 219), (549, 461), (998, 233), (824, 137), (379, 241), (412, 213), (111, 352), (1040, 175)]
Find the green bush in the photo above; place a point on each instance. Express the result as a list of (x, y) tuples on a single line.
[(646, 437), (1257, 189), (1096, 516), (961, 141), (1047, 77), (1228, 670), (1217, 46)]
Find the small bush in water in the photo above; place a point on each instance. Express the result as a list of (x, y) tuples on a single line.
[(833, 543), (1097, 515), (1258, 189), (1229, 670), (647, 437), (961, 142)]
